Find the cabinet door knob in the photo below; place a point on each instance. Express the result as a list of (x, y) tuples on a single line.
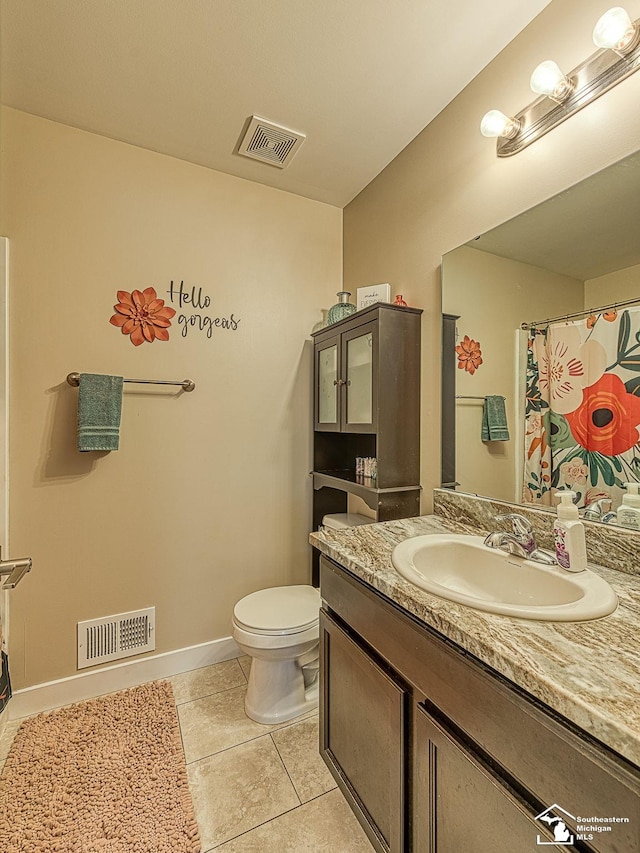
[(338, 382)]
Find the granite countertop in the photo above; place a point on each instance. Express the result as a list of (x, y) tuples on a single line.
[(587, 671)]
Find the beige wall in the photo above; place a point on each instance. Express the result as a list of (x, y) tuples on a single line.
[(207, 498), (493, 296), (615, 286), (447, 186)]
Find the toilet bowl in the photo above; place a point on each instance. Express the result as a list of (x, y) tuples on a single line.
[(279, 629)]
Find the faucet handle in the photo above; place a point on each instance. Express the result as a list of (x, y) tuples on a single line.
[(597, 509), (520, 525)]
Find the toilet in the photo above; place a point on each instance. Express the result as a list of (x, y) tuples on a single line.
[(278, 628)]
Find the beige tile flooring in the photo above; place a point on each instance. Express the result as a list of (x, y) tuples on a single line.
[(255, 788)]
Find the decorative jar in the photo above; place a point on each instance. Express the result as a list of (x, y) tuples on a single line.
[(343, 308)]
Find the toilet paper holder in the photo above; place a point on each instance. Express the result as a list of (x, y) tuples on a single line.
[(15, 569)]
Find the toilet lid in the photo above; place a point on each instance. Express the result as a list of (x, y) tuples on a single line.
[(278, 610)]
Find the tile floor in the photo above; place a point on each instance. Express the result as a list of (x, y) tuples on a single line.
[(255, 788)]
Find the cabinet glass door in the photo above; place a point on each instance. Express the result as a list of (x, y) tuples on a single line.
[(359, 349), (327, 387)]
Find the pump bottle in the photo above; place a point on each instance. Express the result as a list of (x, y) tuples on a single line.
[(628, 514), (568, 534)]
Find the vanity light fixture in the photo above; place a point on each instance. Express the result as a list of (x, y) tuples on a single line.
[(618, 56)]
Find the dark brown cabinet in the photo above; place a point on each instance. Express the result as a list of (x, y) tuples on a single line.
[(346, 379), (462, 803), (363, 716), (367, 404), (480, 761)]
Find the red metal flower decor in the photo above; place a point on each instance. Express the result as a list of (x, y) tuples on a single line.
[(143, 316), (469, 355)]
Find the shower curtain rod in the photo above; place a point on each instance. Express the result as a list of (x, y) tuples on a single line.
[(587, 312)]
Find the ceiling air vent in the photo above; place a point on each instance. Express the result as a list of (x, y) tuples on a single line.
[(271, 143)]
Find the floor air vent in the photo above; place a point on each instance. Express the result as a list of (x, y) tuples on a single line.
[(270, 142), (115, 637)]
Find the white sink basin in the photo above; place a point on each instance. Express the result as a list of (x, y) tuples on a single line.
[(463, 569)]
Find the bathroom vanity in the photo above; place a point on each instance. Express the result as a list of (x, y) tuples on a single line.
[(453, 730)]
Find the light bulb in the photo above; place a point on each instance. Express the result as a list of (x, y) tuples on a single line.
[(548, 79), (495, 123), (615, 30)]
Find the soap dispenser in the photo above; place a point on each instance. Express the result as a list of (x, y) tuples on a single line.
[(628, 514), (568, 534)]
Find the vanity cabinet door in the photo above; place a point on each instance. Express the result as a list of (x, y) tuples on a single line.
[(363, 736), (461, 803)]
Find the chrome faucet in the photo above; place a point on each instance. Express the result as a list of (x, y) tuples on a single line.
[(600, 510), (520, 542)]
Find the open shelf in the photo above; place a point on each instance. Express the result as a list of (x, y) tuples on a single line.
[(347, 482)]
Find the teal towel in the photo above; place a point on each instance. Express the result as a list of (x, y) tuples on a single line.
[(494, 420), (99, 409)]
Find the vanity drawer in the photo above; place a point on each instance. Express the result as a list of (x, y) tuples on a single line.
[(543, 755)]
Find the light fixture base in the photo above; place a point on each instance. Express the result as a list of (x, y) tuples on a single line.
[(632, 44)]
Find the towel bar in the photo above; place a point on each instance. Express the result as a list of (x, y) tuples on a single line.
[(468, 397), (16, 569), (187, 384)]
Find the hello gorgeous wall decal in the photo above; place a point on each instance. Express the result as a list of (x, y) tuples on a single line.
[(182, 296), (146, 318)]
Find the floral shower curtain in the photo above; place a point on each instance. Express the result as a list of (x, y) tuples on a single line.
[(583, 408)]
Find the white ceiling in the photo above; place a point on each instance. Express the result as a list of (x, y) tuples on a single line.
[(361, 78)]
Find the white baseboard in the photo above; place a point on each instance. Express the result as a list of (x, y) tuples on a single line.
[(88, 684)]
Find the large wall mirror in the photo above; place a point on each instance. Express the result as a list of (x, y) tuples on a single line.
[(548, 322)]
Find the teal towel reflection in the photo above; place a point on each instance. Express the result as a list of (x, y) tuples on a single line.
[(494, 420)]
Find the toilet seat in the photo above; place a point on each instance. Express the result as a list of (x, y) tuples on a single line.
[(278, 611)]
